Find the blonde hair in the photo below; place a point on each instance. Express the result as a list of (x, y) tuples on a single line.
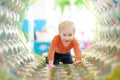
[(66, 24)]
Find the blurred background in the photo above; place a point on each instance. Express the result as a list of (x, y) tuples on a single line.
[(43, 17), (28, 26)]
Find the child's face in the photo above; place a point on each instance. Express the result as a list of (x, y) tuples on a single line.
[(67, 36)]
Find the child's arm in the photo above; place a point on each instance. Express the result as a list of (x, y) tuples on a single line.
[(78, 52), (52, 51)]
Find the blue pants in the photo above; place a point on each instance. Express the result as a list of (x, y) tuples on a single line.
[(64, 58)]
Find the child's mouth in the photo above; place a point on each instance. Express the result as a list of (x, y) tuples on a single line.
[(66, 41)]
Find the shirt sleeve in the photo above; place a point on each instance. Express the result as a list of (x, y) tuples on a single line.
[(52, 48), (78, 52)]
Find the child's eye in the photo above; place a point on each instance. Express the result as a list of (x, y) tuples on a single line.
[(70, 34), (63, 34)]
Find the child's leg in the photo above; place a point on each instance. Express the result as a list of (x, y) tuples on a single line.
[(67, 58)]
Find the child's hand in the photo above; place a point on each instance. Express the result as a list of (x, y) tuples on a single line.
[(77, 62), (51, 66)]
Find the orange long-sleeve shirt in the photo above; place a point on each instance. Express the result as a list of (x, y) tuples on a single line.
[(57, 46)]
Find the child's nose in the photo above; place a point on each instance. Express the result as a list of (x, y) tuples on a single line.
[(67, 37)]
